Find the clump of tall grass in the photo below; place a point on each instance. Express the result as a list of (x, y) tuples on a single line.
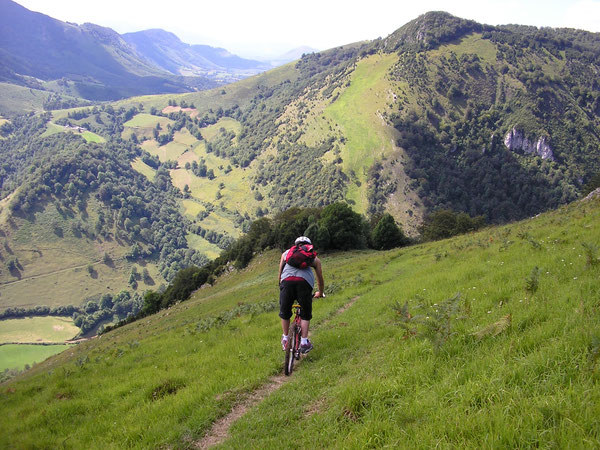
[(591, 254), (532, 282), (240, 310), (435, 325)]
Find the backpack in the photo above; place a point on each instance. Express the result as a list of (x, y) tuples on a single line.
[(301, 256)]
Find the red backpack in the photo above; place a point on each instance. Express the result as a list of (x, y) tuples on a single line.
[(301, 256)]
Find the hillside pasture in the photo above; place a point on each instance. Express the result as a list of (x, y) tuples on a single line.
[(20, 100), (18, 356), (220, 222), (192, 207), (53, 262), (143, 168), (37, 329), (203, 246), (53, 128), (143, 125), (359, 116), (192, 112), (182, 141), (229, 124), (440, 344)]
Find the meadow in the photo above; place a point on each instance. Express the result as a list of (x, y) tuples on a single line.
[(37, 329), (487, 340), (19, 356)]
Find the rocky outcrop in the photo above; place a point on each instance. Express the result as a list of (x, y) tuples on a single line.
[(515, 140)]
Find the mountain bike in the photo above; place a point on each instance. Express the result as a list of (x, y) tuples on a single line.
[(292, 349)]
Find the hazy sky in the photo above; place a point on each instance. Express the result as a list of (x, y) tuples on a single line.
[(268, 28)]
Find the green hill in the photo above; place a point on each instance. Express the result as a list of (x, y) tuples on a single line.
[(489, 339)]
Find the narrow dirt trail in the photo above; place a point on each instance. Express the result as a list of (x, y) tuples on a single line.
[(220, 429), (48, 274)]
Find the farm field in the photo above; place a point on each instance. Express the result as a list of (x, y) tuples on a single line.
[(37, 329), (19, 356)]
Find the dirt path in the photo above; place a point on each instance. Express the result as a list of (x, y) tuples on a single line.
[(220, 429), (47, 274)]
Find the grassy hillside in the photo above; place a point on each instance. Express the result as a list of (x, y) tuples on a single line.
[(485, 340)]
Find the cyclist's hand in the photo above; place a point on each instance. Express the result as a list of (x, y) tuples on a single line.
[(319, 294)]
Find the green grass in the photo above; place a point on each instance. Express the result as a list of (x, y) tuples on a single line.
[(229, 124), (358, 113), (369, 382), (181, 142), (20, 100), (92, 137), (473, 43), (52, 128), (16, 357), (143, 168), (37, 329), (203, 246)]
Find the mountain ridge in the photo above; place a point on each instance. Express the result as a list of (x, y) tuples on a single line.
[(166, 50), (94, 58)]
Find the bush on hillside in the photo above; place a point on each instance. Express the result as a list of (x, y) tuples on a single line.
[(346, 228), (445, 223), (387, 234)]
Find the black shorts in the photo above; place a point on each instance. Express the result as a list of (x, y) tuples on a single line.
[(295, 290)]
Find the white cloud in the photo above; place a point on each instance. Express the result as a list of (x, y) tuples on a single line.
[(583, 14)]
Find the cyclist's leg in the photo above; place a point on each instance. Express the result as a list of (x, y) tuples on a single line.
[(286, 300), (304, 292)]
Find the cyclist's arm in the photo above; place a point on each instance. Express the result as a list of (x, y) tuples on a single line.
[(281, 266), (319, 272)]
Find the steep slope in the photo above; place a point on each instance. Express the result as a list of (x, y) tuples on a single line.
[(167, 51), (488, 339)]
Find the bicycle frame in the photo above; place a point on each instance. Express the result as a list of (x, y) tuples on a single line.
[(292, 350)]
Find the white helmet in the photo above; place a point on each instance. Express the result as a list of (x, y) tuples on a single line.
[(302, 239)]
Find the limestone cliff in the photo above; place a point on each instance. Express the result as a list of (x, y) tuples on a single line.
[(515, 140)]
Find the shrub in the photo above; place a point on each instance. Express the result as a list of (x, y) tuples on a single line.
[(387, 234)]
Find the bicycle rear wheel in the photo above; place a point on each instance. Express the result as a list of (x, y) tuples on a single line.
[(290, 351)]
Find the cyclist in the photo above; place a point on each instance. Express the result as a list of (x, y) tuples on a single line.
[(297, 284)]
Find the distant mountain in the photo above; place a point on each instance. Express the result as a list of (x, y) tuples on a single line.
[(293, 55), (167, 51), (100, 63)]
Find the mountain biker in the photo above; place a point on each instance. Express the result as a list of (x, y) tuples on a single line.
[(297, 284)]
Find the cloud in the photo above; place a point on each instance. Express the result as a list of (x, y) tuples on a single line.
[(584, 14)]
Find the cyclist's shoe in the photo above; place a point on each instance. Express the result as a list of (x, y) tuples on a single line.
[(284, 342), (305, 348)]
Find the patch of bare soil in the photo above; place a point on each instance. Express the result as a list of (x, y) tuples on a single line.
[(220, 429)]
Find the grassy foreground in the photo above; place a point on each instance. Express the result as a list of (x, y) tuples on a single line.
[(489, 340)]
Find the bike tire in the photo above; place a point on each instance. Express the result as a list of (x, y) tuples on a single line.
[(288, 365)]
